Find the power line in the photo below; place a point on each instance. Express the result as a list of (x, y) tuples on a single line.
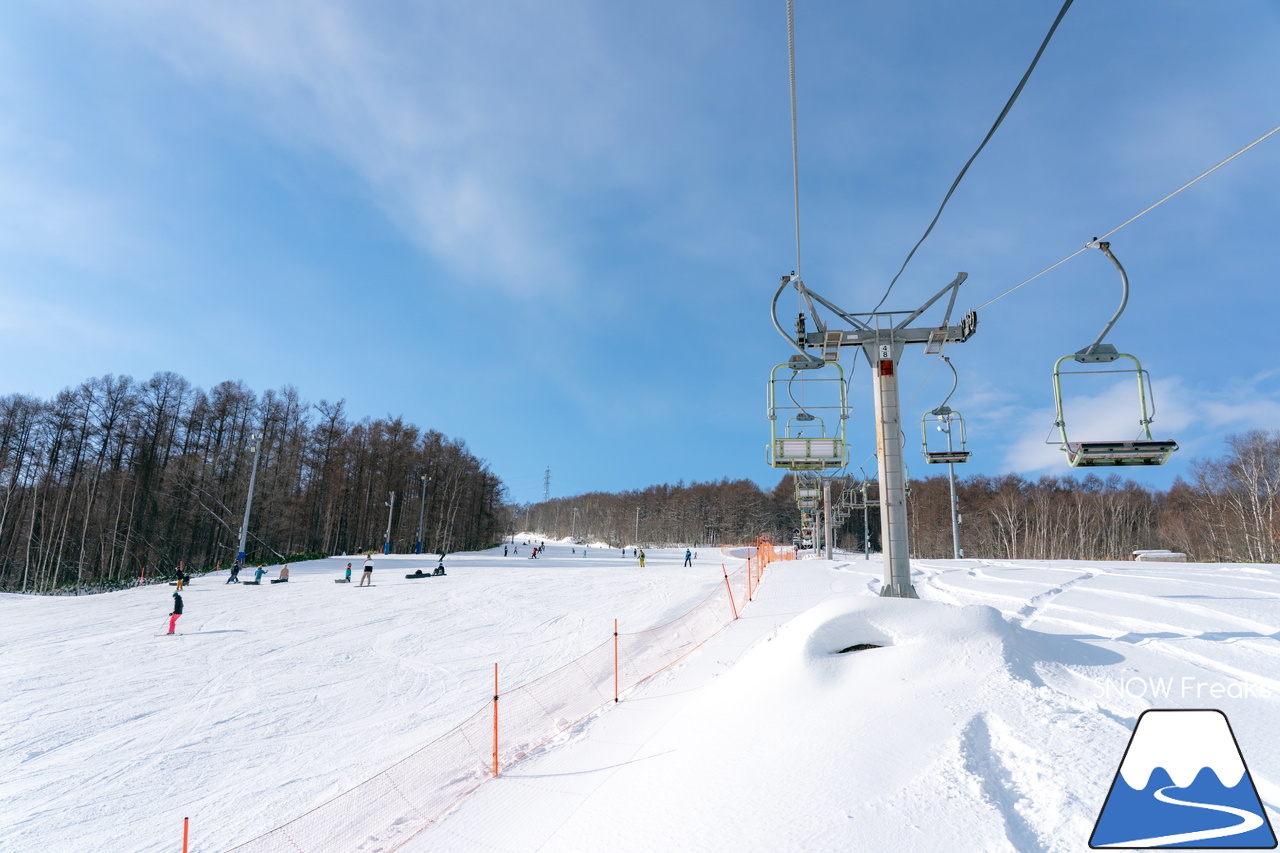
[(1009, 105), (1134, 217)]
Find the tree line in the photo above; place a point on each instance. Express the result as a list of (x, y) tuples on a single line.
[(710, 514), (1226, 510), (116, 477)]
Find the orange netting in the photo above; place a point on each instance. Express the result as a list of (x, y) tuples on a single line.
[(384, 812)]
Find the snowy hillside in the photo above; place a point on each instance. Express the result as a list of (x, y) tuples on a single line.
[(994, 716)]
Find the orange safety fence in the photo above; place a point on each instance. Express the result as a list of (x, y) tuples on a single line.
[(387, 810)]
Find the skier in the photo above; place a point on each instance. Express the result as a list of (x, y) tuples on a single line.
[(348, 573), (504, 550), (688, 557), (368, 572), (235, 574), (177, 610), (641, 553)]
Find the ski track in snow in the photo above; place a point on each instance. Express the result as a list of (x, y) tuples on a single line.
[(971, 729)]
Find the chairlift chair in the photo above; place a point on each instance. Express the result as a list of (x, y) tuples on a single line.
[(949, 421), (807, 414), (1143, 450)]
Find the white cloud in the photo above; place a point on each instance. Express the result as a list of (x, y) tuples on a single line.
[(474, 130), (1196, 417)]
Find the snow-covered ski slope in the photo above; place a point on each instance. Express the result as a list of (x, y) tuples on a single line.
[(993, 718)]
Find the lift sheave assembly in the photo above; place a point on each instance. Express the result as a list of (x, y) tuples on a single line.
[(1143, 450)]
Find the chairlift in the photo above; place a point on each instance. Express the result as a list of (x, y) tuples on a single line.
[(1143, 450), (807, 414), (947, 420)]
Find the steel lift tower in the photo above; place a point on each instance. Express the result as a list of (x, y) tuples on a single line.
[(882, 336)]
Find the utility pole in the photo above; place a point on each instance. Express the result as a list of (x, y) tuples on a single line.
[(826, 517), (866, 529), (256, 438), (573, 528), (955, 504), (637, 527), (391, 508), (546, 484), (421, 509)]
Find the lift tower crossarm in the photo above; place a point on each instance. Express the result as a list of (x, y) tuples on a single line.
[(865, 333)]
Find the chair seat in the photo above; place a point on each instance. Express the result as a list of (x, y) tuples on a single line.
[(1096, 454), (953, 456)]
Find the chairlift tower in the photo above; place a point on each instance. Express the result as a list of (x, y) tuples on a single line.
[(882, 336)]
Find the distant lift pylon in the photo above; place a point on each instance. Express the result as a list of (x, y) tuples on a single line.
[(1143, 450)]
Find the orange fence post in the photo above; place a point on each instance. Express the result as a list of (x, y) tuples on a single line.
[(495, 719), (185, 826), (615, 660), (728, 587), (142, 577)]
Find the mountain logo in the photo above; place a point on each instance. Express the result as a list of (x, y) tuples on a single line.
[(1183, 783)]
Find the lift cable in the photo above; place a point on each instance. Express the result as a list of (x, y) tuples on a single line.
[(1095, 240), (795, 155), (1016, 92)]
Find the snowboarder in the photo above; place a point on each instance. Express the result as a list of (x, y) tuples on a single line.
[(348, 573), (181, 578), (368, 572), (284, 574), (641, 553), (177, 610), (688, 557), (504, 550), (257, 575), (235, 574)]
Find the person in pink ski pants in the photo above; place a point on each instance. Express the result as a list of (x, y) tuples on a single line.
[(177, 611)]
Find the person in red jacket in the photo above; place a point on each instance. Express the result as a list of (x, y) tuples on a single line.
[(177, 611)]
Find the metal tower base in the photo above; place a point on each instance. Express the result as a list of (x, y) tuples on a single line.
[(898, 591)]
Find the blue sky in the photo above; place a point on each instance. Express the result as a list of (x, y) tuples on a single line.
[(554, 230)]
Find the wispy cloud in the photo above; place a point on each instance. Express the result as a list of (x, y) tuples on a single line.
[(476, 131), (1199, 418)]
